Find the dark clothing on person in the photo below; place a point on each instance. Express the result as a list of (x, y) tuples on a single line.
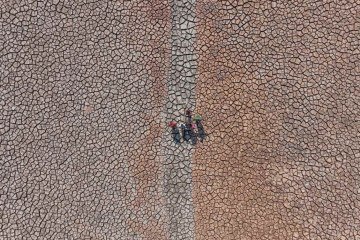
[(189, 120), (201, 131), (193, 136), (176, 134), (188, 116), (190, 131), (186, 132)]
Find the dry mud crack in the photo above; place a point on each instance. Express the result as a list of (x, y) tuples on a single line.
[(87, 88)]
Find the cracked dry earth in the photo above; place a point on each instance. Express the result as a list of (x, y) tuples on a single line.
[(87, 88)]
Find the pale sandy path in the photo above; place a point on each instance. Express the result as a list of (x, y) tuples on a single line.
[(181, 94)]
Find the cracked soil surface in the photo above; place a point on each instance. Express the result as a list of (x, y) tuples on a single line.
[(87, 89)]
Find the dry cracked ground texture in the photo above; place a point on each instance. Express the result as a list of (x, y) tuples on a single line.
[(87, 87)]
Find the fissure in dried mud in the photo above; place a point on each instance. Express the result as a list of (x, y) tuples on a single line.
[(87, 89)]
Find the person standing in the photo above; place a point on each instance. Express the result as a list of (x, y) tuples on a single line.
[(175, 132)]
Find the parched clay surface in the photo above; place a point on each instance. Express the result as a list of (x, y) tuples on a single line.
[(82, 93), (279, 90), (87, 89)]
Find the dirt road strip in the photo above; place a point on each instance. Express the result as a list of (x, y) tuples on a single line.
[(181, 94)]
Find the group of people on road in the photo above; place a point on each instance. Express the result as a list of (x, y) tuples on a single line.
[(190, 131)]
